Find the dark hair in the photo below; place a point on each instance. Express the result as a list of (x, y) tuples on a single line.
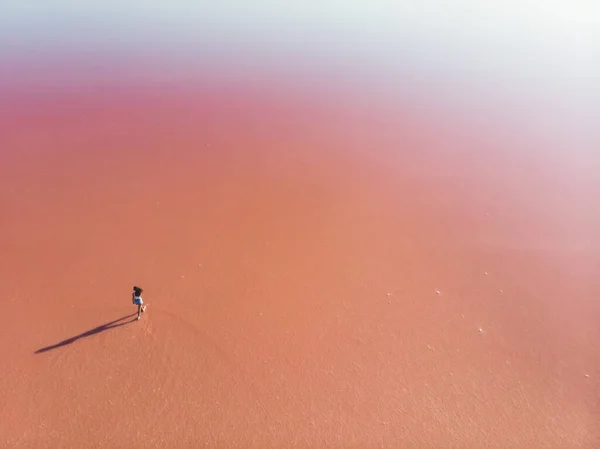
[(137, 290)]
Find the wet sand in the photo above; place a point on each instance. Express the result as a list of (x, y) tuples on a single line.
[(317, 274)]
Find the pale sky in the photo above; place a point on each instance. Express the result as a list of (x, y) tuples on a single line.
[(558, 39), (553, 19)]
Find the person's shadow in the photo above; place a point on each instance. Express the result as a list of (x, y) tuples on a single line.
[(96, 330)]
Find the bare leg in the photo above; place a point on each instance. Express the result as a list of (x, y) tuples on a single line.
[(139, 311)]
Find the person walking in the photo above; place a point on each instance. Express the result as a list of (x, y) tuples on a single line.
[(136, 297)]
